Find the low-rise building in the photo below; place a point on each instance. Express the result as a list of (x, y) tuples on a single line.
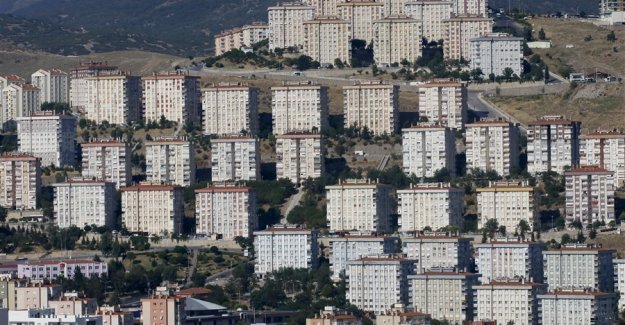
[(108, 160), (359, 205), (396, 38), (492, 145), (326, 40), (434, 205), (444, 102), (438, 250), (332, 316), (113, 315), (226, 210), (299, 106), (589, 195), (509, 258), (552, 144), (376, 283), (579, 266), (51, 270), (170, 161), (577, 307), (509, 203), (50, 137), (153, 209), (73, 304), (354, 246), (428, 149), (285, 246), (399, 314), (20, 181), (235, 158), (230, 108), (300, 156), (605, 149), (374, 105), (495, 53), (35, 295), (509, 301), (80, 202)]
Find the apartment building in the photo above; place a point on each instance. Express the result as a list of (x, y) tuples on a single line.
[(175, 96), (170, 160), (113, 315), (493, 53), (20, 181), (393, 7), (326, 39), (431, 14), (438, 250), (299, 106), (10, 80), (444, 293), (492, 145), (509, 203), (49, 137), (427, 149), (230, 108), (35, 295), (444, 101), (111, 96), (605, 149), (374, 105), (577, 307), (359, 205), (80, 202), (361, 14), (153, 209), (51, 270), (509, 301), (19, 100), (376, 283), (353, 246), (471, 7), (589, 195), (286, 24), (240, 37), (78, 81), (235, 158), (509, 258), (53, 85), (108, 160), (459, 31), (46, 316), (332, 316), (396, 38), (579, 266), (399, 314), (73, 304), (7, 292), (163, 310), (552, 144), (285, 246), (434, 205), (300, 156), (619, 281), (324, 7), (227, 210)]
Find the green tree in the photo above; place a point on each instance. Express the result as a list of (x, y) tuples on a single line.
[(491, 227), (611, 36), (541, 35), (523, 228), (566, 238)]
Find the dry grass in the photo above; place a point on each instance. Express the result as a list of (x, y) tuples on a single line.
[(613, 241)]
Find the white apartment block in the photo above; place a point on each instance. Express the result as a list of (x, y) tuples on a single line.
[(492, 145), (170, 161), (78, 81), (230, 108), (552, 144), (444, 294), (374, 105), (619, 282), (471, 7), (114, 97), (235, 158), (396, 38), (459, 31), (376, 283), (49, 137), (354, 246), (226, 210), (577, 307), (431, 14), (286, 24), (509, 302), (108, 160), (393, 7), (509, 258), (153, 209), (54, 85), (299, 106), (20, 181), (19, 100), (324, 7), (299, 156), (508, 203), (285, 246), (589, 195), (81, 202), (494, 52), (428, 149), (438, 250), (240, 37), (175, 96), (327, 39), (10, 80), (605, 149), (46, 316), (361, 14), (579, 266), (434, 205), (444, 101), (359, 205)]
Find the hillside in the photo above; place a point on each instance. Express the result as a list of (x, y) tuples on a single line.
[(549, 6)]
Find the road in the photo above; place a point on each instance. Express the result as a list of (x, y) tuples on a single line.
[(290, 204), (483, 109)]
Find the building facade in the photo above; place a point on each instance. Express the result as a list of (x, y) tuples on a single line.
[(299, 106), (113, 96), (235, 158), (619, 282), (53, 85), (459, 31), (577, 307), (471, 7), (374, 105), (509, 258), (434, 205), (19, 100), (230, 108), (579, 266), (509, 203), (49, 137), (492, 145), (589, 195), (78, 81), (359, 205), (226, 210), (495, 52), (444, 101), (170, 161), (509, 301), (327, 39), (34, 295), (20, 181), (300, 156), (286, 24), (428, 149), (50, 270), (361, 14), (552, 144), (81, 202), (396, 38), (163, 310), (324, 7), (285, 246), (108, 160), (354, 246), (240, 37), (430, 14), (605, 149), (174, 96), (153, 209), (438, 250)]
